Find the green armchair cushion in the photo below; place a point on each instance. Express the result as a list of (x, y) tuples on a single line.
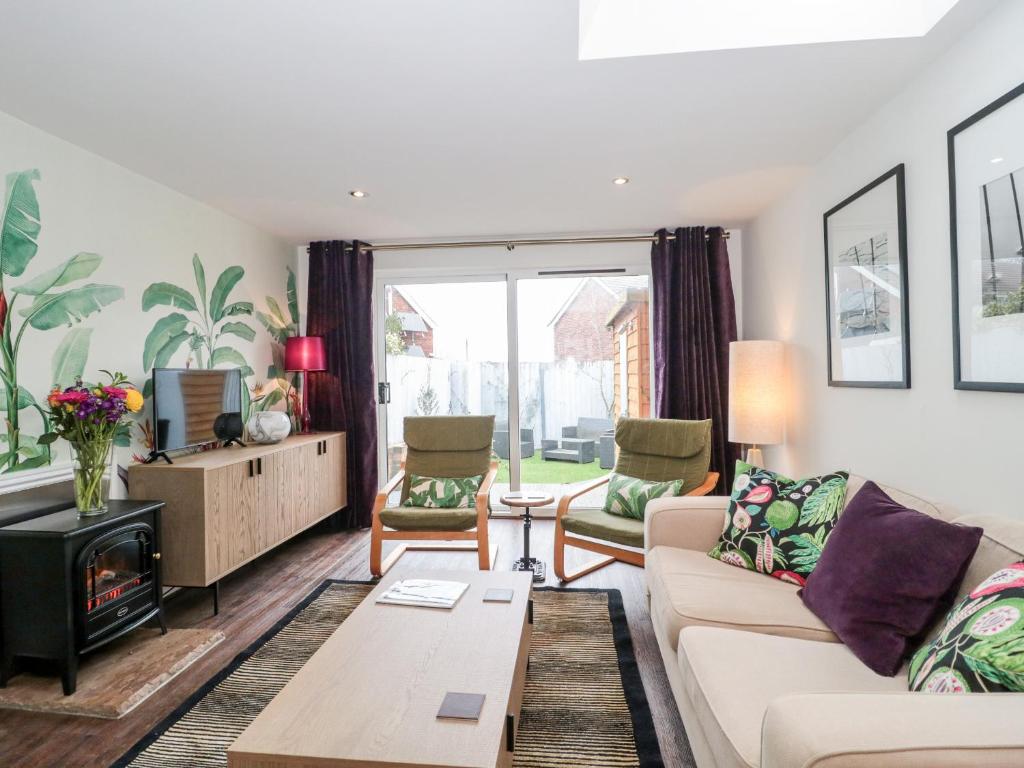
[(428, 519), (446, 446), (598, 524), (443, 492), (628, 496), (664, 449)]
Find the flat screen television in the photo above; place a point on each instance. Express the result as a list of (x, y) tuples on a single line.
[(192, 407)]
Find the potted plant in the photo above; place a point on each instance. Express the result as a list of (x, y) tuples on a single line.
[(89, 418)]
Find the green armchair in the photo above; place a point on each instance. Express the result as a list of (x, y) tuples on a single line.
[(651, 449), (437, 446)]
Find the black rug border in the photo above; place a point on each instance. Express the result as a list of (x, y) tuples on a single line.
[(644, 736)]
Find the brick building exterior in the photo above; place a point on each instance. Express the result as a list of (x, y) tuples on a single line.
[(417, 329), (581, 330)]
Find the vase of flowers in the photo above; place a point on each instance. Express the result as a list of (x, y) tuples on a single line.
[(89, 417)]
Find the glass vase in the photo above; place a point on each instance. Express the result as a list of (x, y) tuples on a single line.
[(91, 462)]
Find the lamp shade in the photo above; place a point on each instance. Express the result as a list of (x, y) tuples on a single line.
[(756, 392), (304, 353)]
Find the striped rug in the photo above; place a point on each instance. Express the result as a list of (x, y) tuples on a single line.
[(584, 705)]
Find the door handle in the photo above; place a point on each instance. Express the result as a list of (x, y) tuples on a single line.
[(383, 393), (325, 447), (319, 447), (251, 468), (259, 466)]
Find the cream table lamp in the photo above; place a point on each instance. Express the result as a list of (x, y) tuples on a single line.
[(756, 399)]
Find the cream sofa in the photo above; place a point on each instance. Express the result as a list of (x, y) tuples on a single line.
[(760, 681)]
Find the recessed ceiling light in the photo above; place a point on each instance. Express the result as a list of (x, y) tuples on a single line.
[(620, 180), (358, 193), (995, 160)]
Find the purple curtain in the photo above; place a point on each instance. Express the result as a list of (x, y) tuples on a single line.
[(342, 398), (694, 322)]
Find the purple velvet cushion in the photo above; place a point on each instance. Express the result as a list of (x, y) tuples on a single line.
[(886, 574)]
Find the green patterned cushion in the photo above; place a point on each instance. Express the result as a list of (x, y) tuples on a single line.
[(779, 526), (442, 492), (981, 646), (628, 496)]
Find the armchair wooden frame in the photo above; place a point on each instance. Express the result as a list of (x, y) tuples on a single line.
[(612, 552), (473, 539)]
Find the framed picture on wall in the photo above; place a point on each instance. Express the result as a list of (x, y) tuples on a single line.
[(986, 217), (866, 286)]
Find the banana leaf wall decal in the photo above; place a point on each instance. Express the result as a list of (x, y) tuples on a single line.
[(280, 327), (51, 305), (201, 328)]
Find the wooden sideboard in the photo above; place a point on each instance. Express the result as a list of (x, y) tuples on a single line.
[(228, 506)]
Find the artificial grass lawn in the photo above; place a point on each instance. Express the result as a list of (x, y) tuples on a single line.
[(536, 470)]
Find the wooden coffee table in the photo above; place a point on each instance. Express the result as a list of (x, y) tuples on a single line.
[(370, 695)]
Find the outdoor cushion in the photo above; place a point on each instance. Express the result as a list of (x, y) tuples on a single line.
[(598, 524), (690, 589), (428, 519), (731, 677)]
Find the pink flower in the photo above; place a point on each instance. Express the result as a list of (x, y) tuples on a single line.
[(115, 392), (73, 396)]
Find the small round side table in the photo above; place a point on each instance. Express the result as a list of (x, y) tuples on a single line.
[(526, 501)]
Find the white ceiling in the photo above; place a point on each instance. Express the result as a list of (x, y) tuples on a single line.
[(459, 117)]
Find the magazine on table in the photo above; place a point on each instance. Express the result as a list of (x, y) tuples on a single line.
[(427, 593)]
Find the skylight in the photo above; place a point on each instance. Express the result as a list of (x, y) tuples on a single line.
[(617, 28)]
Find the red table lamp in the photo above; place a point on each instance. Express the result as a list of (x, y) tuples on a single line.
[(303, 354)]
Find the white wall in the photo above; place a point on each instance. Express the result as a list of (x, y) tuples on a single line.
[(953, 446), (145, 233)]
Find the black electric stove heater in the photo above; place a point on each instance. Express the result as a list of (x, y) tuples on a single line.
[(70, 584)]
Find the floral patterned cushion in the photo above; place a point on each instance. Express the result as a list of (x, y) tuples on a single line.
[(442, 492), (628, 496), (779, 526), (981, 646)]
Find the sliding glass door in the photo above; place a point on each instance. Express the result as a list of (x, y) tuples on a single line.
[(557, 359), (583, 361), (443, 350)]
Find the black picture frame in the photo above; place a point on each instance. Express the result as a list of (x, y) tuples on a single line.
[(898, 173), (959, 382)]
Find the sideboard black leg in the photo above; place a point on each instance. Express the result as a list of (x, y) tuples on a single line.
[(216, 597), (69, 675), (163, 624)]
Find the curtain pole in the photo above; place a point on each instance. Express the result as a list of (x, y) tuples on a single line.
[(512, 243)]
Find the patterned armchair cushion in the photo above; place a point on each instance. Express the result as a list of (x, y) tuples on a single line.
[(628, 496), (442, 492)]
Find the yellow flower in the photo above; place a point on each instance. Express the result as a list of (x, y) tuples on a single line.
[(133, 400)]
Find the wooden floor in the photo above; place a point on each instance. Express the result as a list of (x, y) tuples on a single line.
[(256, 597)]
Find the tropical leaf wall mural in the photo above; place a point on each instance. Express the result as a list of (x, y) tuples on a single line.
[(86, 244), (202, 328), (280, 385), (31, 306)]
